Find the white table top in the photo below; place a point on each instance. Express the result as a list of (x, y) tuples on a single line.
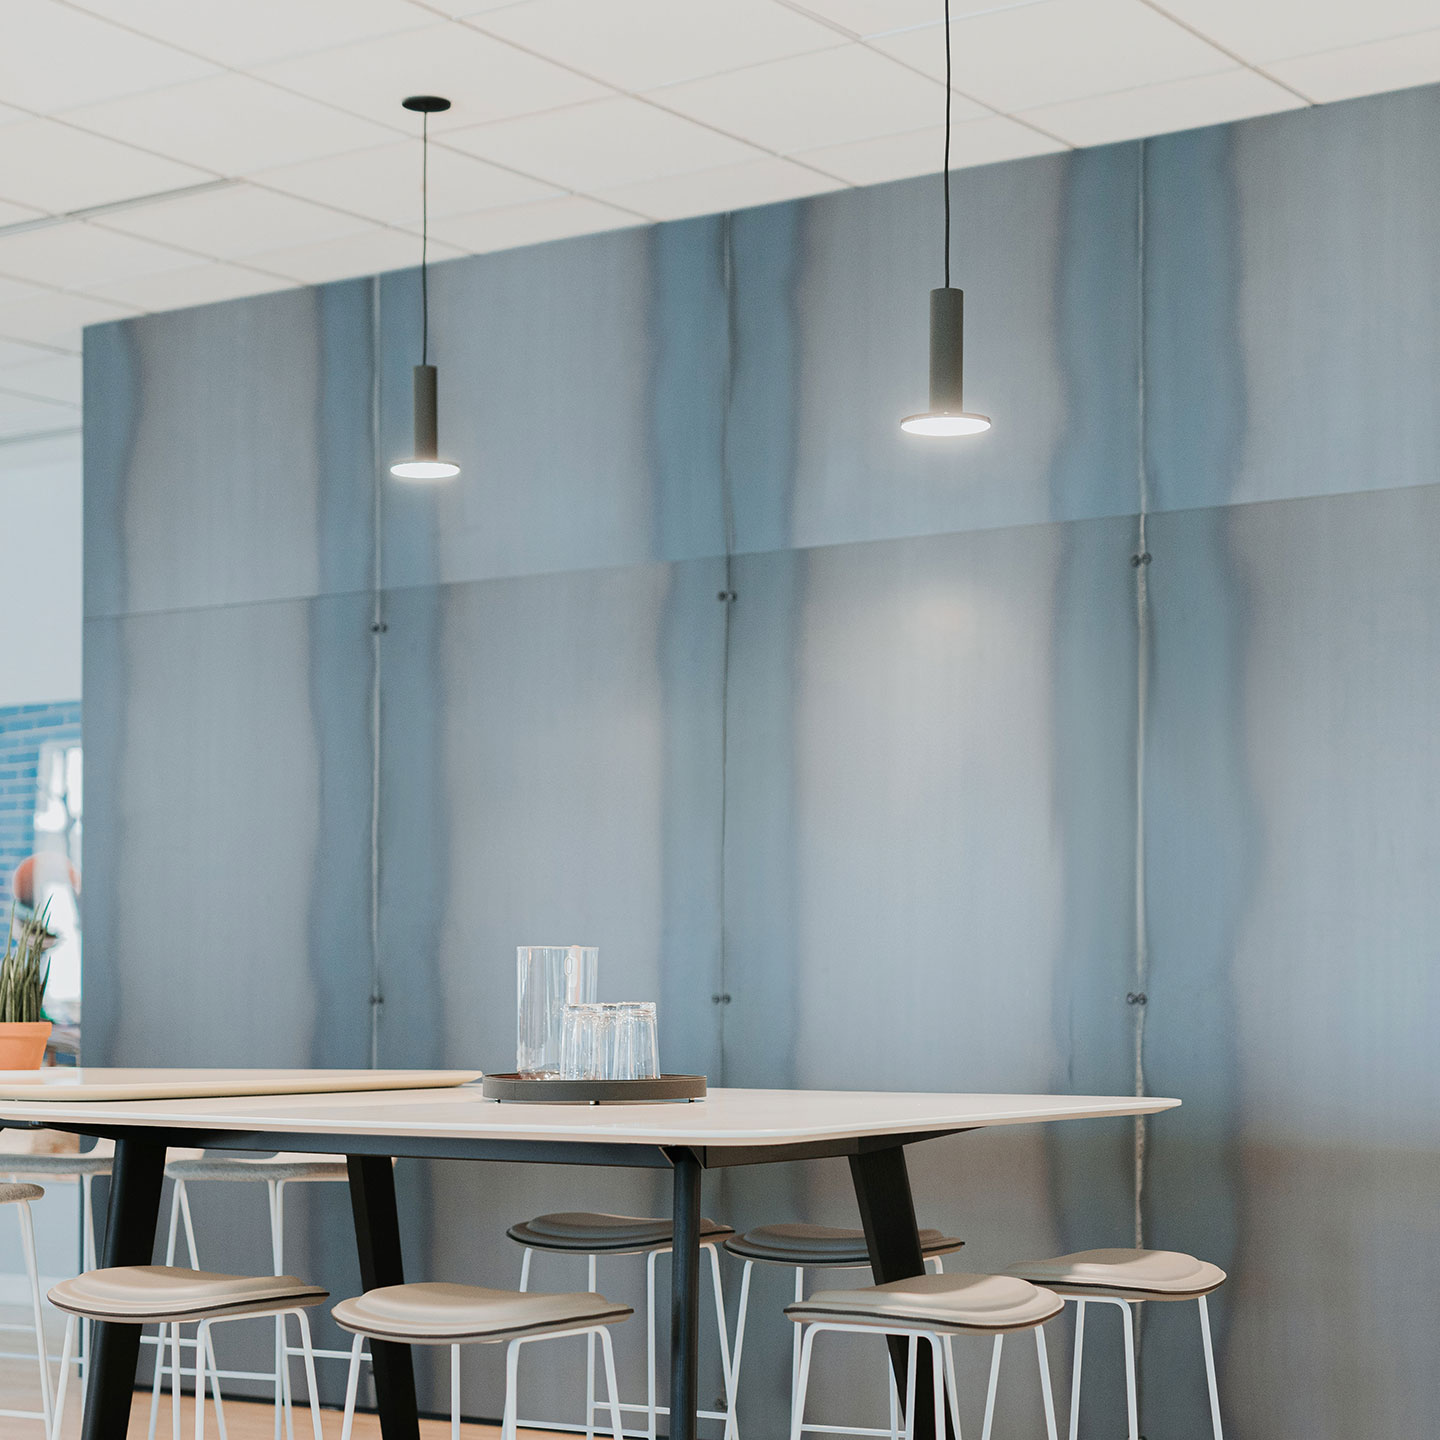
[(64, 1083), (725, 1117)]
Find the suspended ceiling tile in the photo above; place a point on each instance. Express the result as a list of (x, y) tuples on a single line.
[(601, 145), (13, 289), (639, 44), (1363, 69), (17, 352), (1159, 109), (258, 31), (1281, 29), (921, 152), (55, 318), (232, 223), (196, 285), (827, 98), (77, 256), (230, 124), (1041, 54), (366, 253), (54, 58), (383, 183), (26, 415), (55, 377), (885, 17), (54, 167), (484, 78), (16, 214), (729, 187), (531, 224)]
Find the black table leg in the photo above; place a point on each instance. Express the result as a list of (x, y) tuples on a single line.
[(887, 1211), (131, 1216), (377, 1236), (685, 1296)]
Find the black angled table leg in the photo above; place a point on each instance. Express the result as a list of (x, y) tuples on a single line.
[(377, 1237), (131, 1216), (892, 1236), (685, 1296)]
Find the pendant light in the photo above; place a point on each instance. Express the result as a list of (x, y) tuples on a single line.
[(947, 414), (425, 462)]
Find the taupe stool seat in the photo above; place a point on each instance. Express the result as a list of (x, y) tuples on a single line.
[(815, 1247), (821, 1246), (83, 1167), (438, 1313), (280, 1169), (170, 1296), (592, 1234), (1124, 1277), (275, 1171), (584, 1232), (927, 1309), (20, 1194)]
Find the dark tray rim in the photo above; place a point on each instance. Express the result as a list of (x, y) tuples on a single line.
[(518, 1089)]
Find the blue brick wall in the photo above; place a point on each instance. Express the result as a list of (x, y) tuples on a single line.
[(23, 729)]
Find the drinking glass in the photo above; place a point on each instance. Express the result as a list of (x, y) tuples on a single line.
[(634, 1043), (583, 1042), (549, 977)]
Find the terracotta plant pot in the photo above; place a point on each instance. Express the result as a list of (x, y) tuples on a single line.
[(22, 1045)]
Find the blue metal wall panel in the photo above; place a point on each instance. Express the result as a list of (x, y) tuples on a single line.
[(230, 453)]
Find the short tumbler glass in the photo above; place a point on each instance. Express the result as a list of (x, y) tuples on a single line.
[(548, 978), (610, 1041)]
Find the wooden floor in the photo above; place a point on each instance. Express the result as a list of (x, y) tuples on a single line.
[(243, 1421)]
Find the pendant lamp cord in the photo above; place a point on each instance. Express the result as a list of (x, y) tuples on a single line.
[(425, 237), (946, 180)]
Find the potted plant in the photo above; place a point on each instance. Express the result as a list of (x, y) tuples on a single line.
[(24, 973)]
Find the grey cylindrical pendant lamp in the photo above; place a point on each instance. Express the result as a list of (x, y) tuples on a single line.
[(947, 414), (425, 462)]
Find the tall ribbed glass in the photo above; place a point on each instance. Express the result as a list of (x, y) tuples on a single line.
[(548, 978)]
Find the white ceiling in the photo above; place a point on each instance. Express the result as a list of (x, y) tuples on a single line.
[(280, 123)]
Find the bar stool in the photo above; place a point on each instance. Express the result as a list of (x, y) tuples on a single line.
[(931, 1308), (815, 1247), (81, 1168), (456, 1315), (20, 1197), (591, 1235), (166, 1295), (275, 1172), (1123, 1278)]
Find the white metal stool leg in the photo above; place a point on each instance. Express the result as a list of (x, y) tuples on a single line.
[(454, 1392), (352, 1387), (731, 1420), (1132, 1402), (66, 1351), (32, 1273), (1075, 1369), (1046, 1394), (171, 1241), (1210, 1368), (992, 1387), (590, 1363), (652, 1404), (612, 1389), (802, 1383)]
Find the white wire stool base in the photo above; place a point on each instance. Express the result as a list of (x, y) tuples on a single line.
[(652, 1409), (203, 1344), (509, 1424), (279, 1377), (935, 1264), (37, 1325), (1131, 1402), (942, 1370)]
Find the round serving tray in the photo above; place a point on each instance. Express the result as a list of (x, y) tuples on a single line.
[(524, 1088)]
